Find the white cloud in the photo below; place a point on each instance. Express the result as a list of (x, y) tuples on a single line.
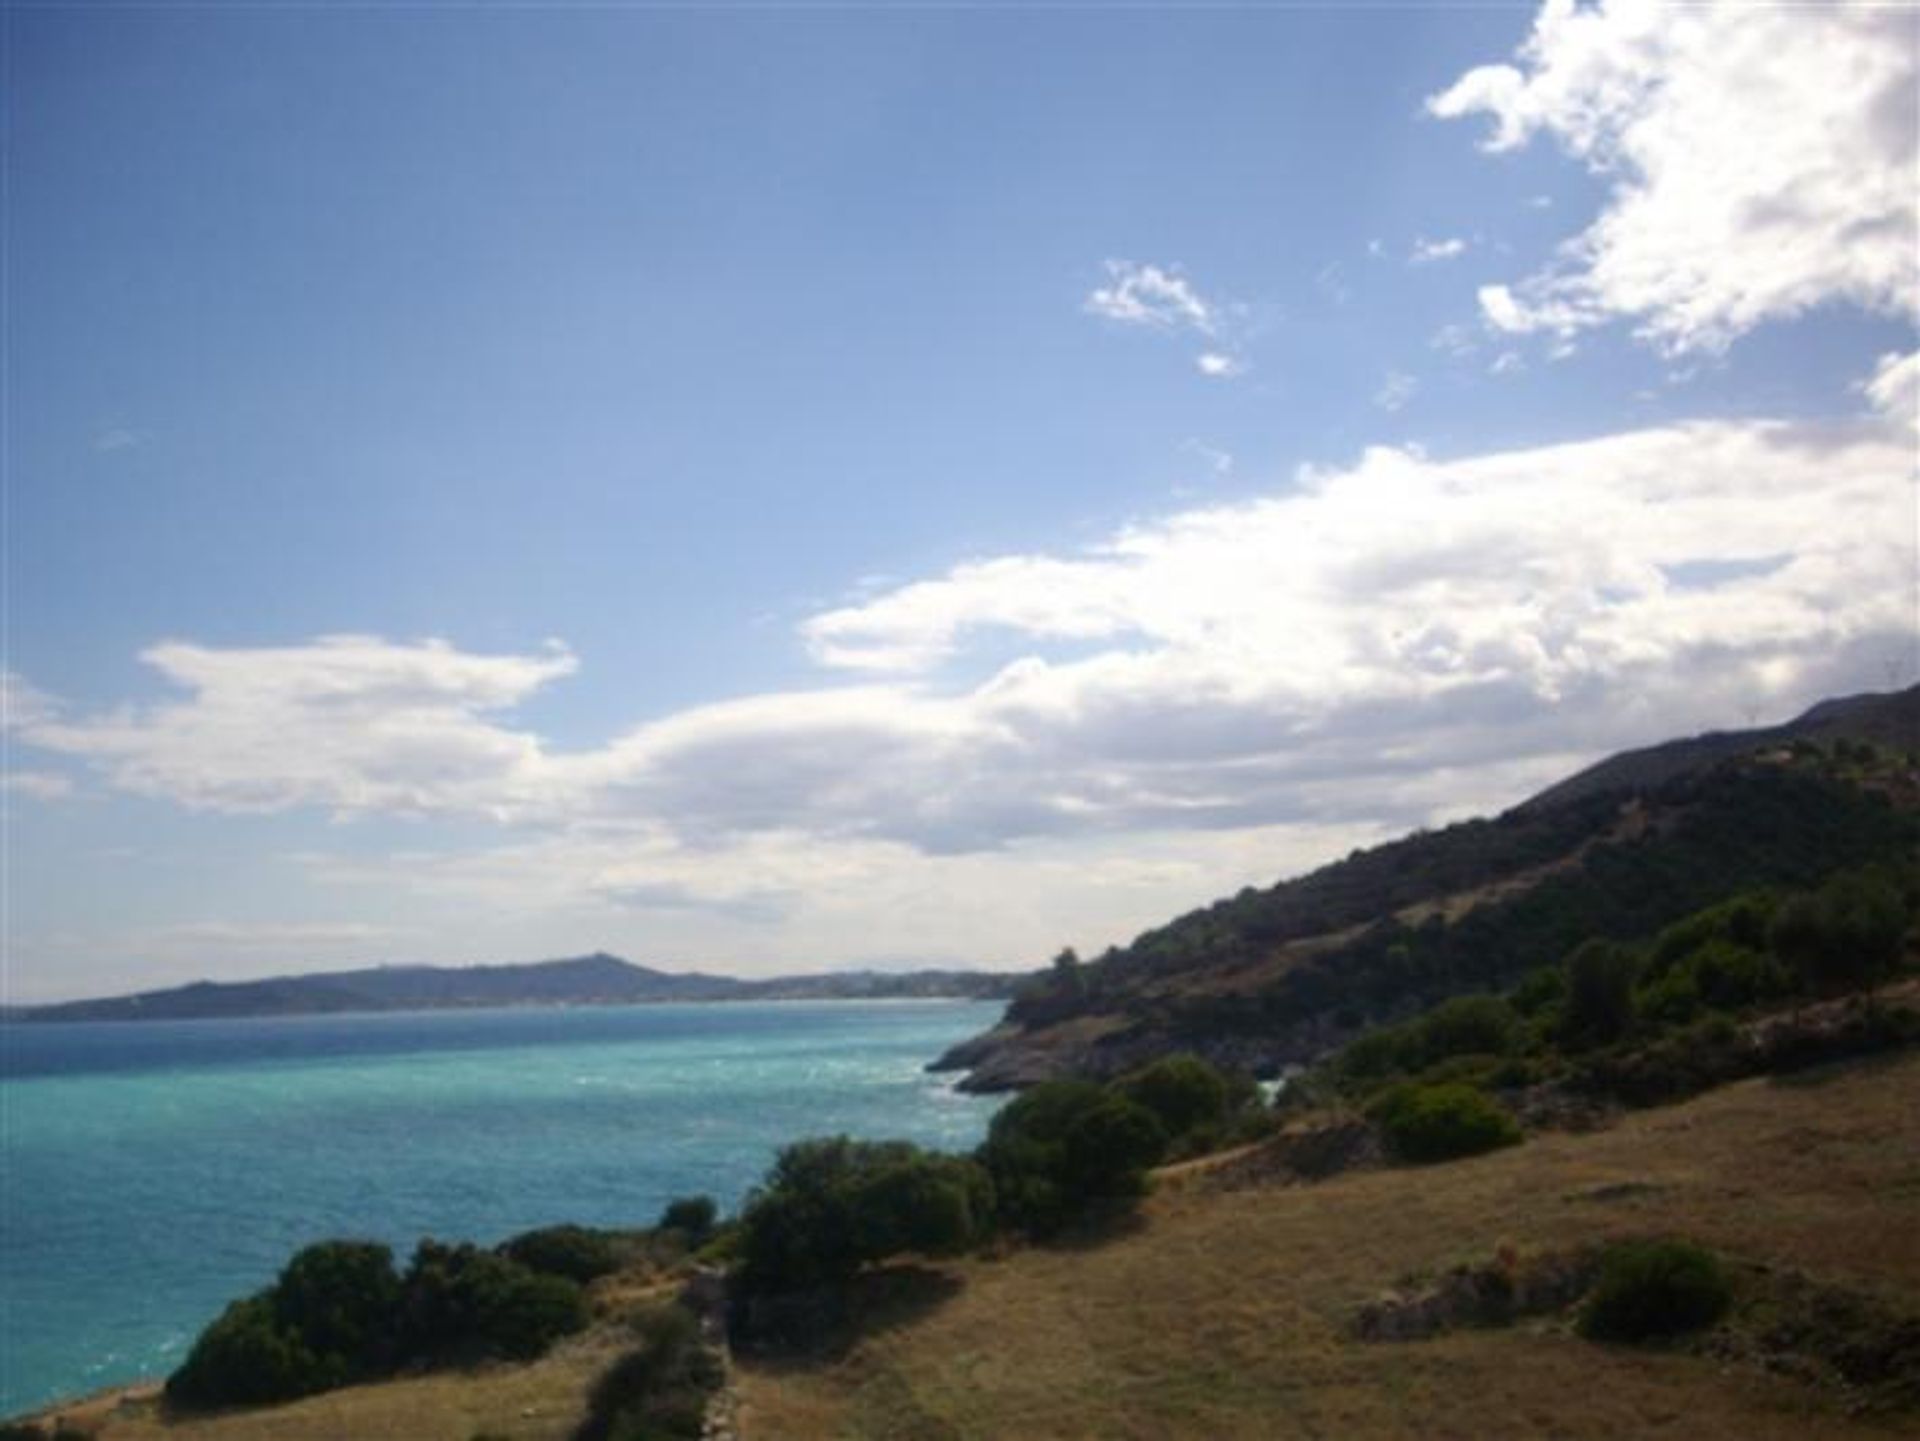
[(1218, 366), (1507, 362), (1235, 690), (1426, 252), (21, 703), (1149, 295), (41, 785), (349, 723), (1395, 391), (1894, 387), (1762, 159)]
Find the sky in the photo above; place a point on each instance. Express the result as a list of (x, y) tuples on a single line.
[(771, 489)]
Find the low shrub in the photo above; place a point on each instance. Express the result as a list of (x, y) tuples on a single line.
[(658, 1391), (1060, 1146), (1183, 1092), (692, 1216), (248, 1358), (339, 1314), (830, 1206), (1439, 1123), (462, 1304), (575, 1252), (1652, 1290)]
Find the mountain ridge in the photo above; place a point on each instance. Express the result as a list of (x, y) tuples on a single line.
[(1282, 976), (598, 978)]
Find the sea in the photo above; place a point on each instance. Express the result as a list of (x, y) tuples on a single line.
[(150, 1172)]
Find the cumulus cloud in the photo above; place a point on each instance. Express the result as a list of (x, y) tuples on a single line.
[(1149, 295), (1762, 160), (1216, 365), (1370, 647), (349, 723)]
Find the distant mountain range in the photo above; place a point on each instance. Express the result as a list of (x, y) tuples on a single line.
[(595, 980)]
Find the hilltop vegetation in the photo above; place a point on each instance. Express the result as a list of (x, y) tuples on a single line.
[(1287, 975)]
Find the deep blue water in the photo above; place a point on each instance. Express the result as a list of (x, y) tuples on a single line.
[(151, 1172)]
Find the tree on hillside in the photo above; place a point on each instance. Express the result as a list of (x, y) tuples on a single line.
[(832, 1205), (1599, 1005), (1845, 936), (1183, 1092)]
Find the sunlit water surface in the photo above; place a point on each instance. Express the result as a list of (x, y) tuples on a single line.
[(152, 1172)]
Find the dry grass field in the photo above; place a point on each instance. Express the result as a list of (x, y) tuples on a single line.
[(1222, 1315)]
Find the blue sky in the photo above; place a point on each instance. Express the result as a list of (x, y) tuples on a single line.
[(876, 485)]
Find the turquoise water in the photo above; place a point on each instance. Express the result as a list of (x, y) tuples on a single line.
[(152, 1172)]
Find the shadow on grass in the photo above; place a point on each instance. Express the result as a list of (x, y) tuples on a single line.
[(808, 1329), (1821, 1073), (1101, 1226)]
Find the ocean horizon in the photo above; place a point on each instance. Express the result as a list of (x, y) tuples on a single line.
[(154, 1171)]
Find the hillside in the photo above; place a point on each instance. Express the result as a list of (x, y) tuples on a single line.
[(595, 980), (1283, 976), (1228, 1311)]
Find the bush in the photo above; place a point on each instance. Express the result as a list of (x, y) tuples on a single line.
[(1845, 936), (338, 1314), (1183, 1092), (248, 1358), (830, 1206), (575, 1252), (659, 1390), (692, 1216), (1058, 1147), (461, 1304), (327, 1321), (1650, 1290), (1438, 1123), (1599, 1004), (1468, 1026)]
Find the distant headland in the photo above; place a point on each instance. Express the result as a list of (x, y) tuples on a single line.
[(596, 980)]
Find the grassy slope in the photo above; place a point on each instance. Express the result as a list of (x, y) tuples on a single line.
[(1223, 1317)]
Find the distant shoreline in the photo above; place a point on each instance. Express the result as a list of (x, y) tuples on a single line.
[(597, 980), (477, 1007)]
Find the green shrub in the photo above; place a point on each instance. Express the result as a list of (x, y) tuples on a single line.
[(327, 1321), (461, 1304), (1650, 1290), (1599, 1003), (575, 1252), (830, 1206), (692, 1216), (247, 1357), (339, 1298), (1060, 1146), (1438, 1123), (1845, 936), (1539, 991), (1183, 1092), (1468, 1025), (1468, 1070), (659, 1390), (1382, 1052)]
